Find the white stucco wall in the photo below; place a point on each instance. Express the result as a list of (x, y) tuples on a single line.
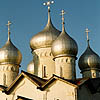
[(43, 57), (27, 89), (60, 91)]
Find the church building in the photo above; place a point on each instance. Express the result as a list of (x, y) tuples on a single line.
[(51, 75)]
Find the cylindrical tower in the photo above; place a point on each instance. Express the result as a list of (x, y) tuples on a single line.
[(41, 48), (10, 59), (65, 49), (89, 62)]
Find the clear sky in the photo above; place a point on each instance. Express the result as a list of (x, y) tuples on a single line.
[(30, 17)]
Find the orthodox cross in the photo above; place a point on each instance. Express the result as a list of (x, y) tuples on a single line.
[(9, 23), (87, 31), (62, 14), (48, 3)]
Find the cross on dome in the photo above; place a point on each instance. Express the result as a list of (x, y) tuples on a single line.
[(9, 23), (48, 3), (87, 31), (62, 14)]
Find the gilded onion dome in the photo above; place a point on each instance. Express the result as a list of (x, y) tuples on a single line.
[(30, 67), (64, 45), (45, 38), (9, 54), (89, 59)]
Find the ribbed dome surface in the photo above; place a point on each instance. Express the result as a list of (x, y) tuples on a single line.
[(30, 67), (9, 54), (89, 59), (45, 37), (64, 45)]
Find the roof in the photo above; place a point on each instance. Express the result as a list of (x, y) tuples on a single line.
[(54, 78), (42, 84), (81, 81), (34, 79), (2, 88)]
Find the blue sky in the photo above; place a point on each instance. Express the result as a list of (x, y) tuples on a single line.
[(30, 17)]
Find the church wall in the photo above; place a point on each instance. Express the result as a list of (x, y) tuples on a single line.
[(96, 96), (60, 91), (27, 89), (84, 93), (2, 96)]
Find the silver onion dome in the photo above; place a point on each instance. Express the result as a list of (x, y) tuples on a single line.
[(64, 45), (45, 38), (30, 67), (9, 54), (89, 60)]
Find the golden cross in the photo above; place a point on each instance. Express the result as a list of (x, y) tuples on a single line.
[(87, 31), (48, 3), (62, 14), (9, 23)]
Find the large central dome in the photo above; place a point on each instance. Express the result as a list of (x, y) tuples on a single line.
[(44, 38)]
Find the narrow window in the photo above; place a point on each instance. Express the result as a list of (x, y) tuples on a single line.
[(44, 71), (4, 79), (61, 73)]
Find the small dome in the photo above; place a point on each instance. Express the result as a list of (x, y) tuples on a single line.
[(89, 60), (9, 54), (64, 45), (45, 38), (30, 67)]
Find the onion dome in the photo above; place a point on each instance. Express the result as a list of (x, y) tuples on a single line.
[(30, 67), (45, 38), (89, 59), (64, 45), (9, 54)]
